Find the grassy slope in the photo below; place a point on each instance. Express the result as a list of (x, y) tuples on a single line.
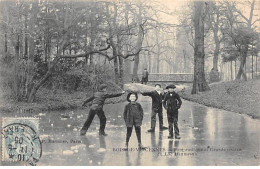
[(46, 100), (237, 96)]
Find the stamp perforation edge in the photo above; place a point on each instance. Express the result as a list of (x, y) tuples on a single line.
[(15, 118)]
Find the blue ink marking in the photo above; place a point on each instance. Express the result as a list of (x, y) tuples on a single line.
[(21, 142)]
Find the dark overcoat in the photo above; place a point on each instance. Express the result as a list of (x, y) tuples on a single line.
[(132, 117)]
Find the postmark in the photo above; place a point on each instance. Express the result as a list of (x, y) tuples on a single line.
[(20, 140)]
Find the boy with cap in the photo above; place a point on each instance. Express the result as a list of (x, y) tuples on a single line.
[(172, 103), (97, 108), (157, 97)]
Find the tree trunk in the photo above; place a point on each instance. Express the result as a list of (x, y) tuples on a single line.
[(92, 39), (121, 70), (25, 37), (6, 45), (157, 31), (135, 69), (37, 85), (120, 61), (221, 72), (231, 71), (116, 69), (185, 62), (57, 44), (235, 67), (252, 66), (199, 82), (30, 71), (256, 65), (216, 54), (215, 27), (149, 61), (31, 47), (241, 71), (138, 45), (16, 65)]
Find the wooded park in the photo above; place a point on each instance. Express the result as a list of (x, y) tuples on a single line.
[(75, 45)]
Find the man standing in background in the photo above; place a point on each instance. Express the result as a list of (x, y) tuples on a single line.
[(145, 76)]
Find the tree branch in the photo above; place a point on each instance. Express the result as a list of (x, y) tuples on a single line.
[(255, 21), (89, 53), (243, 16)]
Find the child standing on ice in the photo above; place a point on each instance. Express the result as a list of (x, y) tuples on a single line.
[(133, 116), (172, 102)]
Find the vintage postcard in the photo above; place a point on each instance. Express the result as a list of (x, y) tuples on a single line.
[(129, 83)]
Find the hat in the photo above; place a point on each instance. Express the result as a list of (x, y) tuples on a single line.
[(129, 94), (157, 84), (102, 86), (171, 86)]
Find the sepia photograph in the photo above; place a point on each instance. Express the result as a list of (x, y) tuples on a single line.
[(130, 82)]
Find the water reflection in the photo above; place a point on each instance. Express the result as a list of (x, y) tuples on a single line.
[(199, 126), (173, 147), (156, 145), (127, 163), (138, 158), (102, 142), (95, 155)]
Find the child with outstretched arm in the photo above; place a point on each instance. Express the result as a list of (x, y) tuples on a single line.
[(157, 98), (98, 100)]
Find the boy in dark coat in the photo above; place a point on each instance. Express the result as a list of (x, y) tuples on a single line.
[(133, 116), (172, 103), (97, 108), (157, 98)]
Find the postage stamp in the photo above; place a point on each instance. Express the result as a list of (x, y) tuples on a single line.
[(20, 140)]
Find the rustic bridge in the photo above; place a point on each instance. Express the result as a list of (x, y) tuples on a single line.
[(170, 77)]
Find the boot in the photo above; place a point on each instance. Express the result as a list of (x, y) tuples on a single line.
[(151, 130), (83, 132), (126, 145), (163, 128), (177, 137), (170, 137), (102, 133), (140, 146)]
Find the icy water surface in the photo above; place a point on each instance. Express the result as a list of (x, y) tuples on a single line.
[(209, 136)]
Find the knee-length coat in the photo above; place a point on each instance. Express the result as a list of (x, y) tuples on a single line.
[(133, 114)]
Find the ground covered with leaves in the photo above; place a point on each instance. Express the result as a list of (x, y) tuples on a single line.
[(236, 96)]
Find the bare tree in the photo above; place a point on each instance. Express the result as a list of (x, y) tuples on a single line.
[(241, 31), (199, 82)]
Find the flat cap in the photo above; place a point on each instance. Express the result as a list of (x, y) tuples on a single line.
[(171, 86)]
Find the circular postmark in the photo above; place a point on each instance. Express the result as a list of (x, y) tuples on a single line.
[(21, 143)]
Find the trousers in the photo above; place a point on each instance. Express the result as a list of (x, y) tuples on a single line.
[(172, 116), (101, 116), (137, 131), (153, 118)]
